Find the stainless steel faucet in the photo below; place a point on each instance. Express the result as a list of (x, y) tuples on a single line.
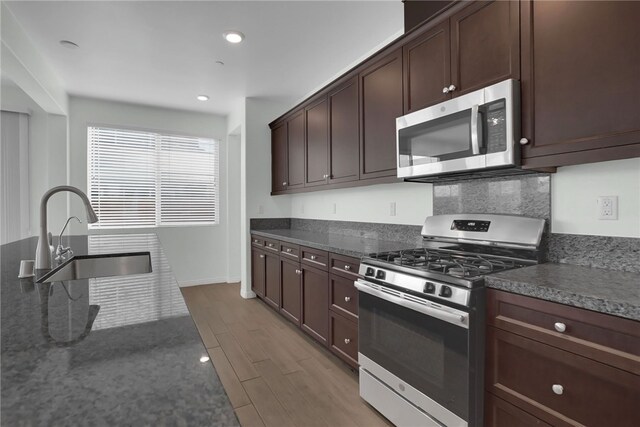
[(43, 253), (61, 251)]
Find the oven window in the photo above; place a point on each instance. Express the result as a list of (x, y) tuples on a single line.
[(429, 354), (446, 138)]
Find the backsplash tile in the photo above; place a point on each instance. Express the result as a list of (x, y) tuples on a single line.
[(370, 230), (613, 253), (270, 223), (528, 195)]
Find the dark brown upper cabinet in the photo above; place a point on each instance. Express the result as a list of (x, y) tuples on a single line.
[(295, 150), (381, 103), (476, 47), (279, 154), (427, 68), (317, 138), (344, 132), (485, 45), (580, 87)]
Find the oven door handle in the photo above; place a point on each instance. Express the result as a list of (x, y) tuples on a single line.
[(450, 315)]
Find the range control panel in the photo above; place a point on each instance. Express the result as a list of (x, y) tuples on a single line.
[(470, 225)]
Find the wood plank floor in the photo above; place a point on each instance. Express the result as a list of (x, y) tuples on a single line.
[(273, 373)]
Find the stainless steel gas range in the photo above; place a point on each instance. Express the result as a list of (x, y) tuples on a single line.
[(421, 317)]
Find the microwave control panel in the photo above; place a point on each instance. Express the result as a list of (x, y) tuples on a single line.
[(470, 225)]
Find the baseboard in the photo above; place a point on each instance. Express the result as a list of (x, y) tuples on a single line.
[(198, 282)]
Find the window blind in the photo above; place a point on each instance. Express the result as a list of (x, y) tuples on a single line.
[(148, 179)]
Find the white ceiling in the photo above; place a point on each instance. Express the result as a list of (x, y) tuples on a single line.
[(164, 53)]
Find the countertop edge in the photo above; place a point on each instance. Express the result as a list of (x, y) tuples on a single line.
[(309, 244), (565, 297)]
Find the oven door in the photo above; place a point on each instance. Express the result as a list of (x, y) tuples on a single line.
[(469, 132), (419, 349)]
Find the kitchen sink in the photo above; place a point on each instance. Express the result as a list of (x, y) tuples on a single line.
[(93, 266)]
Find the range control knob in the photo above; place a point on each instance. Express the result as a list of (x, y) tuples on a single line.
[(429, 288), (446, 292), (370, 272), (380, 275)]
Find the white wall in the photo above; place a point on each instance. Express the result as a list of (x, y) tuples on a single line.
[(47, 154), (574, 191), (413, 203), (197, 254)]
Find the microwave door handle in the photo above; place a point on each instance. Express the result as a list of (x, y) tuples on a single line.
[(475, 144)]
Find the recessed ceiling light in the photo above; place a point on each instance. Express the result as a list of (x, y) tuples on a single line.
[(233, 36), (204, 359), (202, 98), (69, 44)]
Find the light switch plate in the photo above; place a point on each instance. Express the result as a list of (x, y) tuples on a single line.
[(608, 207)]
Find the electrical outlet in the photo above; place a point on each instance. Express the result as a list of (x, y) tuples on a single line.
[(335, 209), (608, 207), (392, 209)]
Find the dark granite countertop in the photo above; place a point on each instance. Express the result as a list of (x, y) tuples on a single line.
[(338, 243), (605, 291), (137, 364)]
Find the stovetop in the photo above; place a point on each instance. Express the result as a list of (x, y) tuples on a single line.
[(458, 265)]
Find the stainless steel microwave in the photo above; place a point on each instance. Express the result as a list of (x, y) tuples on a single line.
[(470, 133)]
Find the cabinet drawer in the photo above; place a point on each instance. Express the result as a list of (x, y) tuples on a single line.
[(290, 250), (314, 257), (605, 338), (344, 266), (257, 241), (272, 245), (343, 336), (343, 296), (557, 386), (499, 413)]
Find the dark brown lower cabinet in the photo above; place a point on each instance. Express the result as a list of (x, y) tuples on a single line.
[(343, 338), (272, 280), (502, 414), (315, 303), (257, 271), (291, 278)]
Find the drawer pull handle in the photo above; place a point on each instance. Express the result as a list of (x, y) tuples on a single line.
[(557, 389), (288, 250), (347, 299), (560, 327), (313, 257), (347, 340), (347, 267)]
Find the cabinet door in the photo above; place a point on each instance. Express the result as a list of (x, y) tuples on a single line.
[(344, 132), (257, 271), (317, 129), (580, 90), (485, 46), (290, 303), (272, 280), (295, 150), (315, 303), (427, 69), (279, 158), (381, 92)]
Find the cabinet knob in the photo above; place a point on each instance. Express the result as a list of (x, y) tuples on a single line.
[(284, 183), (313, 257), (560, 327), (452, 88), (347, 340), (298, 271), (256, 241), (445, 90), (557, 389), (270, 245), (325, 176), (347, 267), (524, 141), (288, 250), (261, 256), (347, 299)]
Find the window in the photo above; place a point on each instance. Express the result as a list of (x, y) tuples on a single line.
[(148, 179)]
